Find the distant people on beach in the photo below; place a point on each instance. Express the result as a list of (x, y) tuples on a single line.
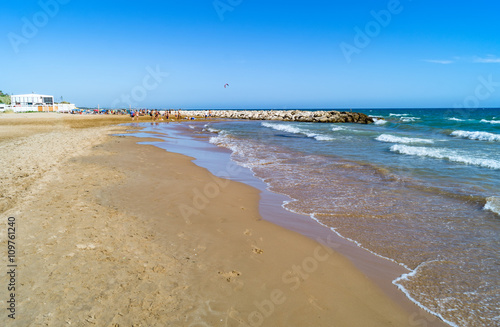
[(134, 115), (159, 115), (178, 115)]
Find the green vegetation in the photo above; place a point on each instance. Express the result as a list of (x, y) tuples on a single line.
[(4, 98)]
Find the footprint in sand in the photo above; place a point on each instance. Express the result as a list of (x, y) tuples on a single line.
[(229, 275), (257, 250)]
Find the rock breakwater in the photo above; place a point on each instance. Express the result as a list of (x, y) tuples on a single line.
[(292, 115)]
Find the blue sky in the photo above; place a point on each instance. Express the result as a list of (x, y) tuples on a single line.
[(273, 54)]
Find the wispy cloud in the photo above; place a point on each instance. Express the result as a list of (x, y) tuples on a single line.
[(442, 62), (490, 59)]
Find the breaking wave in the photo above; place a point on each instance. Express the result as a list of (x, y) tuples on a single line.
[(481, 136), (295, 130), (400, 139), (378, 121), (490, 121), (493, 204), (439, 153), (283, 127)]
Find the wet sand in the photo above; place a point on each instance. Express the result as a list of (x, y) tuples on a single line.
[(111, 233)]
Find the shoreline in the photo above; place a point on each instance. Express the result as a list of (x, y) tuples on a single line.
[(383, 271), (161, 244)]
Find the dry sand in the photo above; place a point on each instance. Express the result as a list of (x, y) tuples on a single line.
[(111, 233)]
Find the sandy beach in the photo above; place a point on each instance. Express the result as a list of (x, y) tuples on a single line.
[(112, 233)]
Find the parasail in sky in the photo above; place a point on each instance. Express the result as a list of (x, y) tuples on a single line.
[(226, 85)]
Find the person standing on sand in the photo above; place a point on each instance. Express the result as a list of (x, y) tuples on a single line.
[(132, 115)]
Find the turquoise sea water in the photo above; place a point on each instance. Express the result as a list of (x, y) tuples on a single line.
[(420, 186)]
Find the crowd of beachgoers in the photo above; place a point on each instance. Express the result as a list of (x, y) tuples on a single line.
[(153, 113)]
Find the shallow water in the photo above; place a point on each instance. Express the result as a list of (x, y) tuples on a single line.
[(420, 187)]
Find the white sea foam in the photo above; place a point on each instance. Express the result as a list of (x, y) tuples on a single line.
[(456, 119), (319, 137), (409, 119), (396, 281), (407, 276), (323, 138), (398, 115), (378, 121), (223, 141), (295, 130), (493, 204), (213, 130), (283, 127), (400, 139), (481, 136), (338, 128), (217, 140), (440, 153), (490, 121)]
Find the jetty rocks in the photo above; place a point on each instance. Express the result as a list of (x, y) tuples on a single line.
[(296, 115)]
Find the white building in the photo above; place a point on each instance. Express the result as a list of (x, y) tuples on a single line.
[(38, 102), (32, 100), (64, 107)]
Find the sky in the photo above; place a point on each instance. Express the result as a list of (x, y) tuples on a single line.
[(273, 54)]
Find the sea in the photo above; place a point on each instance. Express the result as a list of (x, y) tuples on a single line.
[(420, 187)]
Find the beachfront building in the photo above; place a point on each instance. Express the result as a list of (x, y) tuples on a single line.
[(32, 99), (32, 102), (38, 102)]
